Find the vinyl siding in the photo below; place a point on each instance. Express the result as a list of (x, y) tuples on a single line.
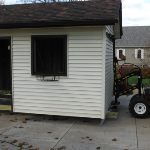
[(109, 77), (79, 94)]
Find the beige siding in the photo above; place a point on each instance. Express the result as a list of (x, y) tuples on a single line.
[(109, 77), (130, 55), (78, 94)]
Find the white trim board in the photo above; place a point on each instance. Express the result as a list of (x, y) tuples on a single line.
[(118, 53)]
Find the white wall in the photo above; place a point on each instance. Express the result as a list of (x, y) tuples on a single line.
[(78, 94), (109, 75)]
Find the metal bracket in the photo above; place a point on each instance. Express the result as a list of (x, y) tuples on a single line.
[(114, 105), (102, 121), (47, 80)]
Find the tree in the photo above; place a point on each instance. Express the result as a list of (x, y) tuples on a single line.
[(2, 2), (31, 1), (44, 1), (39, 1)]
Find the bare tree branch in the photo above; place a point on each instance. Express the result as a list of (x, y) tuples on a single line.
[(2, 2)]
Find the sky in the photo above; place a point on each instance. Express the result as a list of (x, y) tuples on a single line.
[(134, 12)]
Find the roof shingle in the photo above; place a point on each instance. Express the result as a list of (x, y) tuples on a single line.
[(98, 12), (135, 36)]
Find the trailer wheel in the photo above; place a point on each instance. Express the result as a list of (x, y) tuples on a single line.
[(139, 106)]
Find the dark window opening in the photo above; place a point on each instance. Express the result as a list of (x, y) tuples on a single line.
[(5, 65), (5, 72), (120, 52), (139, 54), (49, 55)]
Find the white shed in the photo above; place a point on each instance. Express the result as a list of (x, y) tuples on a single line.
[(61, 60)]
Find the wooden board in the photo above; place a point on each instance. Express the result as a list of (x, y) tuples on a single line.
[(112, 115), (5, 107)]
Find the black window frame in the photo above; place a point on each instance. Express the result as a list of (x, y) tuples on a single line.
[(33, 56)]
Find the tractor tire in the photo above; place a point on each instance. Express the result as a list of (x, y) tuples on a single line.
[(139, 106)]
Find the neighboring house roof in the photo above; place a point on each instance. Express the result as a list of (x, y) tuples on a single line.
[(134, 36), (98, 12)]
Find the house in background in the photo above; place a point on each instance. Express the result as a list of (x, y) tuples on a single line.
[(133, 44), (61, 56)]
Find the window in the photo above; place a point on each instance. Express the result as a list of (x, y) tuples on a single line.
[(49, 55), (139, 53), (119, 52)]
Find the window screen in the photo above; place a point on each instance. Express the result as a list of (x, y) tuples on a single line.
[(49, 55)]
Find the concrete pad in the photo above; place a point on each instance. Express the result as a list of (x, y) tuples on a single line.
[(90, 146), (7, 121), (41, 132), (4, 146), (88, 134), (42, 144), (102, 135), (143, 133), (45, 132)]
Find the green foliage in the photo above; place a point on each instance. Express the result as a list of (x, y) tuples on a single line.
[(5, 92)]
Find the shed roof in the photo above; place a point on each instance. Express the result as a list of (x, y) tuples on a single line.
[(97, 12), (135, 36)]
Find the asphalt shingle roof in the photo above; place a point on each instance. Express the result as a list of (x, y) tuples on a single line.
[(98, 12), (135, 36)]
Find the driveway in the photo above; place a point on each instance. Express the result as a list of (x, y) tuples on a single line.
[(33, 132)]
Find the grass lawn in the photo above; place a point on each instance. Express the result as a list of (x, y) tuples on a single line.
[(134, 80)]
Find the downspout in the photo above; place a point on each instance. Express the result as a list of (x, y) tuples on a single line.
[(115, 77)]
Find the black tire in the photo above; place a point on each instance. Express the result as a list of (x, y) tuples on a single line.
[(139, 106)]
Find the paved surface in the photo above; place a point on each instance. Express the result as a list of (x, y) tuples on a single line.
[(46, 132), (5, 101)]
